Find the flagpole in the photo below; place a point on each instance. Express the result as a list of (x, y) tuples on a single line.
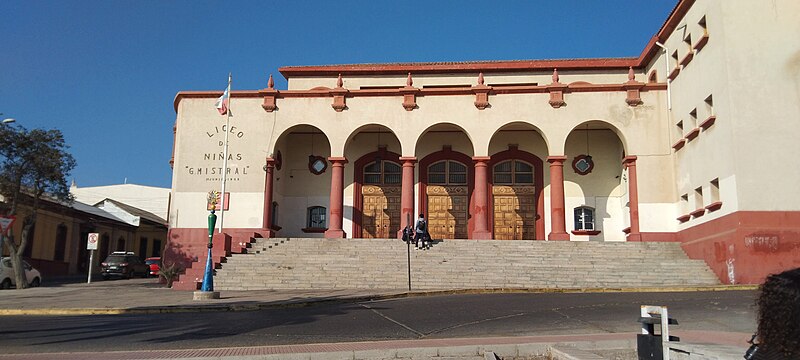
[(225, 158)]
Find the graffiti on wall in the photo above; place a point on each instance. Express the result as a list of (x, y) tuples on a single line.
[(762, 242)]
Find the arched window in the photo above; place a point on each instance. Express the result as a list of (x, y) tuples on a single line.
[(316, 217), (513, 172), (584, 218), (447, 172), (381, 172)]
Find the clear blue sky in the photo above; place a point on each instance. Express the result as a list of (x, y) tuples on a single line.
[(106, 72)]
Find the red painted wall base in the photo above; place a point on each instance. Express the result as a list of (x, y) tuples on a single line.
[(746, 246)]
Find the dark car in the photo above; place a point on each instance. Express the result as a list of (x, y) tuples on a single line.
[(155, 265), (124, 265)]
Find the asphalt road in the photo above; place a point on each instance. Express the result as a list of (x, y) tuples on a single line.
[(409, 318)]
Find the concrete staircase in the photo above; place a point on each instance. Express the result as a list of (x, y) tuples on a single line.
[(458, 264)]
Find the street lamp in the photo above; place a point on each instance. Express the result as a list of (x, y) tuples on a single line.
[(207, 290)]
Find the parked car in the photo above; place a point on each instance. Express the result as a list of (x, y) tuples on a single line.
[(7, 274), (124, 265), (155, 265)]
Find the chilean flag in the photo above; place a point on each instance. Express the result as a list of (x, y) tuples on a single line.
[(222, 102)]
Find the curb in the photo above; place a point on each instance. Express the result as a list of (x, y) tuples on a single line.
[(297, 304)]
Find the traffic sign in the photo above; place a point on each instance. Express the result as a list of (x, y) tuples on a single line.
[(6, 222), (91, 244)]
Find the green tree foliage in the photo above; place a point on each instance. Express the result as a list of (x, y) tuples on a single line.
[(35, 165)]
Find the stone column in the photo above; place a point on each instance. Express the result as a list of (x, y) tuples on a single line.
[(337, 199), (481, 198), (267, 220), (407, 195), (633, 198), (558, 227)]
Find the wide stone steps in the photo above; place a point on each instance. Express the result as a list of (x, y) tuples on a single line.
[(455, 264)]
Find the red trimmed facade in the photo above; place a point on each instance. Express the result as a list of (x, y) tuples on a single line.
[(740, 246)]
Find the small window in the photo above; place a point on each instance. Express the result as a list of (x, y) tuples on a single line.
[(685, 203), (679, 129), (688, 42), (316, 165), (61, 243), (693, 118), (698, 198), (710, 105), (156, 247), (316, 217), (584, 218), (675, 57), (714, 190), (653, 77), (703, 25)]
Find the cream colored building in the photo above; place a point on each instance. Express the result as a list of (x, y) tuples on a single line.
[(684, 143), (57, 244)]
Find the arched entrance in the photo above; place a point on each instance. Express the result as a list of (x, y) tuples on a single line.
[(446, 181), (378, 178), (516, 180), (377, 181), (596, 191)]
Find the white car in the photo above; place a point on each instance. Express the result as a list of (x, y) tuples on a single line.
[(7, 274)]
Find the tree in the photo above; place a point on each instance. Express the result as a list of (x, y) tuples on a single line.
[(35, 165)]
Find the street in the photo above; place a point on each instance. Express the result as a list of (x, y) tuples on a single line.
[(448, 316)]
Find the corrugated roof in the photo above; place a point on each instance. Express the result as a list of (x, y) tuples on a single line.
[(137, 212)]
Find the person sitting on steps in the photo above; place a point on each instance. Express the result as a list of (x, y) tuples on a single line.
[(422, 238)]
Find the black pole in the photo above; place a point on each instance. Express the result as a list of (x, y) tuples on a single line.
[(408, 248)]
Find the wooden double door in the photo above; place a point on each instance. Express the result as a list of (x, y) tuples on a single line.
[(448, 207), (514, 212), (380, 216)]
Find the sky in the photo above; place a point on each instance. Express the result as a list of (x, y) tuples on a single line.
[(106, 73)]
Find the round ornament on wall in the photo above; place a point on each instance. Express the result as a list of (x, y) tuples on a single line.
[(582, 164)]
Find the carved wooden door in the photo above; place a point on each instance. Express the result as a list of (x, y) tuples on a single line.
[(514, 212), (380, 216), (447, 212), (514, 200)]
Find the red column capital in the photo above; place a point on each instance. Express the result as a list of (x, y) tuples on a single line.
[(556, 160)]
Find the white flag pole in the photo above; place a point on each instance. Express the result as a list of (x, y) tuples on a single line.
[(225, 157)]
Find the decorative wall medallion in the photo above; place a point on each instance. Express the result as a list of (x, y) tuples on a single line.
[(317, 164), (582, 164), (278, 160)]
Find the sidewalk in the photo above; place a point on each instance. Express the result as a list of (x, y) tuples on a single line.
[(141, 296), (451, 349)]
